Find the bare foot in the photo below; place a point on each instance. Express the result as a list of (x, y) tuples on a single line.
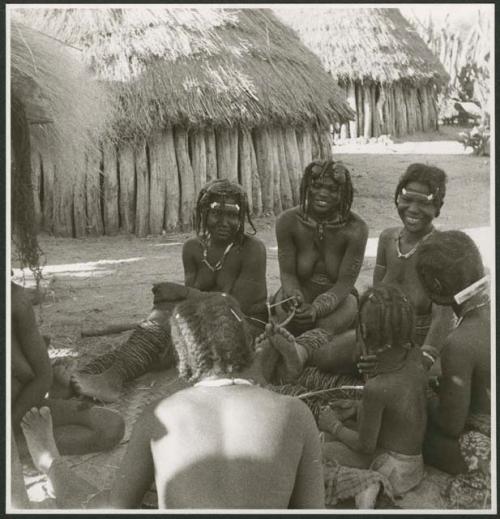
[(266, 358), (291, 365), (106, 386), (38, 431)]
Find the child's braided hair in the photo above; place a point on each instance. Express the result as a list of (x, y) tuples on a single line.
[(387, 317), (217, 190), (211, 337), (339, 173), (433, 177), (448, 262)]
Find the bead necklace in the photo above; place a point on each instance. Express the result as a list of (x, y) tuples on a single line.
[(410, 253), (219, 382), (218, 265)]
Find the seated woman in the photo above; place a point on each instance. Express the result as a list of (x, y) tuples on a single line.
[(321, 245), (419, 197), (220, 258), (450, 269), (391, 416), (78, 427), (224, 442)]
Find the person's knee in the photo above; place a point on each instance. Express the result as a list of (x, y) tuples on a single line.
[(115, 430), (109, 428)]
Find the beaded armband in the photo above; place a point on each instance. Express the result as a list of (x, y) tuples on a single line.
[(325, 304), (430, 352), (313, 339)]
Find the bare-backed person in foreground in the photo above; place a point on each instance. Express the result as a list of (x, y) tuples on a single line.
[(220, 258), (223, 443)]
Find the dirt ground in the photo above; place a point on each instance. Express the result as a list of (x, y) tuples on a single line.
[(96, 281)]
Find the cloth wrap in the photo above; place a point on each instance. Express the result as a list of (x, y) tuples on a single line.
[(397, 473), (472, 490)]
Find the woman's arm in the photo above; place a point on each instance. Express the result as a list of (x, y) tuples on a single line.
[(189, 251), (369, 422), (287, 255), (348, 272), (450, 412), (136, 472), (35, 352), (381, 261), (249, 288)]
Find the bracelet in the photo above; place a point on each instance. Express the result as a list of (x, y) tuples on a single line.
[(429, 356), (325, 303)]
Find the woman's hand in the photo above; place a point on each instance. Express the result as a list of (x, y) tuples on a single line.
[(305, 315), (367, 365), (345, 409), (328, 420)]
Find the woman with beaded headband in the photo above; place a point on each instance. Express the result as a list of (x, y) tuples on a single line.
[(220, 258), (458, 437), (419, 197), (321, 245)]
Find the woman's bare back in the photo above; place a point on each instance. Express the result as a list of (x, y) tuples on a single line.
[(232, 447)]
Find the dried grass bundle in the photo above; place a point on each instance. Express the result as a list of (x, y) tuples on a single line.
[(198, 67), (365, 44)]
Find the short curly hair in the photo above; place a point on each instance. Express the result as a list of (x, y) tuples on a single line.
[(433, 177), (448, 262), (217, 189), (211, 337), (389, 318), (335, 170)]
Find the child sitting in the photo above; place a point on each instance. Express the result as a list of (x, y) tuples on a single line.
[(391, 416)]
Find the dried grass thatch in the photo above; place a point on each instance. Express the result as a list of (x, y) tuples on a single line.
[(62, 103), (52, 105), (365, 44), (198, 67)]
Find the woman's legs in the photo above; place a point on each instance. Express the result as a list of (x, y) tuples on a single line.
[(70, 490), (80, 427)]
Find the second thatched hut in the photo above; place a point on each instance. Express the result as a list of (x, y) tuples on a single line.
[(389, 75), (197, 94)]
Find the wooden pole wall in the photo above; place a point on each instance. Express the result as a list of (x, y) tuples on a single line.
[(186, 178), (126, 160), (79, 214), (157, 187), (93, 196), (172, 186), (142, 191), (111, 200), (151, 186)]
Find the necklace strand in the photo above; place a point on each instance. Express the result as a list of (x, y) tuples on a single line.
[(410, 253), (218, 265)]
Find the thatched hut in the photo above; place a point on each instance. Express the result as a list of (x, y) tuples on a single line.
[(52, 102), (388, 73), (198, 94)]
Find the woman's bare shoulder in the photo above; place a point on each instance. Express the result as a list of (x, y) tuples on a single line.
[(288, 215), (391, 233)]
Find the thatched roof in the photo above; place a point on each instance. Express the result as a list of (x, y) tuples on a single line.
[(197, 67), (57, 92), (365, 44)]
